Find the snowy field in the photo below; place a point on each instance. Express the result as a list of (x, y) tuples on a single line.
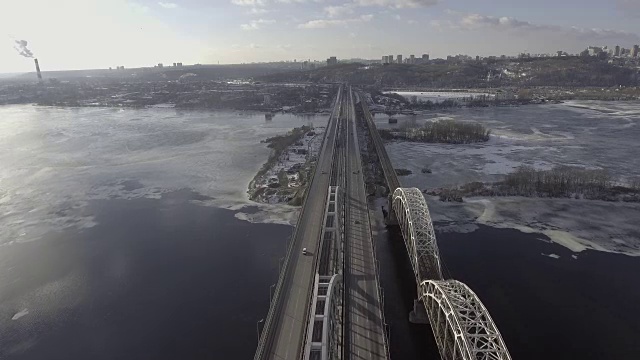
[(598, 135)]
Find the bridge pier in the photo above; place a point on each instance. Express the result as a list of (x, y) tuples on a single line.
[(418, 315), (390, 218)]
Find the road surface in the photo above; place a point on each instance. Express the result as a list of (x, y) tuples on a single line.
[(284, 333), (364, 328)]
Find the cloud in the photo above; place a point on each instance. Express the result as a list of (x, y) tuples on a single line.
[(398, 4), (510, 24), (256, 24), (168, 5), (340, 10), (253, 3), (325, 23), (258, 11)]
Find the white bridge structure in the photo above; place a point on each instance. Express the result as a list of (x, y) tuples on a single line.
[(324, 328), (462, 326), (414, 220)]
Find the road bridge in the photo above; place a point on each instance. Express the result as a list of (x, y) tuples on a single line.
[(283, 334), (364, 320)]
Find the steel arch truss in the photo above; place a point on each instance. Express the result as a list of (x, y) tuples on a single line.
[(414, 220), (461, 324)]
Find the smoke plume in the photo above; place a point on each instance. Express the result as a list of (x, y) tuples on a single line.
[(21, 47)]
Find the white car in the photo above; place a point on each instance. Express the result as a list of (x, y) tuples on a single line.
[(304, 251)]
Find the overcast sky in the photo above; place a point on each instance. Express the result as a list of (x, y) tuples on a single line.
[(77, 34)]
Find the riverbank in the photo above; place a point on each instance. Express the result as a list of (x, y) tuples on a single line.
[(287, 172)]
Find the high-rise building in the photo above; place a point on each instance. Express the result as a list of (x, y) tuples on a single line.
[(635, 51), (332, 61), (385, 60), (425, 57), (391, 59), (412, 59), (399, 59), (617, 51), (594, 50)]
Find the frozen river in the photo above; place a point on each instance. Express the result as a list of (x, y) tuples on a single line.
[(558, 275), (126, 234), (597, 135)]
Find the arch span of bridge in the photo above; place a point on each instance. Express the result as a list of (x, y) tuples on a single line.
[(417, 230), (462, 326), (460, 322)]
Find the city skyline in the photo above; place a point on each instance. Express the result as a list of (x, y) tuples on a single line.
[(76, 34)]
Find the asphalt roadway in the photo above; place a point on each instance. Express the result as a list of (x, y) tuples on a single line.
[(364, 328), (284, 336)]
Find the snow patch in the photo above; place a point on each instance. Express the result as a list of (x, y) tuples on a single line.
[(20, 314)]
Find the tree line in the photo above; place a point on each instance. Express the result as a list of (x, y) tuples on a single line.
[(558, 182), (442, 131)]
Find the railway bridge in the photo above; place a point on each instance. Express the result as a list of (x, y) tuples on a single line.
[(328, 302)]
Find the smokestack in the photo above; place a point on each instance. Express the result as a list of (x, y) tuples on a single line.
[(38, 70)]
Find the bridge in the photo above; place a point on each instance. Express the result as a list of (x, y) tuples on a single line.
[(327, 303)]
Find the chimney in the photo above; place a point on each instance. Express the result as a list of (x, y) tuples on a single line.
[(38, 70)]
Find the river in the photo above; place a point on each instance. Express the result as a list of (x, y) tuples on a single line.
[(126, 234), (559, 276)]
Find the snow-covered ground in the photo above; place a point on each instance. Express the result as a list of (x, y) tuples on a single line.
[(296, 157), (600, 135)]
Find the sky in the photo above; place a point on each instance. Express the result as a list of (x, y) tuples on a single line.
[(88, 34)]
